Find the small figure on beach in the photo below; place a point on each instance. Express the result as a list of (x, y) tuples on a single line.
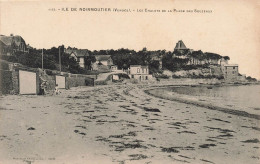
[(43, 87), (57, 91)]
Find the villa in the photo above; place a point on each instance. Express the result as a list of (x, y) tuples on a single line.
[(11, 44), (141, 73), (78, 55), (102, 62)]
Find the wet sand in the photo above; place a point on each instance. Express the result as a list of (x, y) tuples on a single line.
[(121, 124)]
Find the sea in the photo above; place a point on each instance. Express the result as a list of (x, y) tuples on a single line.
[(241, 97)]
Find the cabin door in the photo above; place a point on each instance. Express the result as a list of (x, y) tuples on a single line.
[(61, 81), (27, 82)]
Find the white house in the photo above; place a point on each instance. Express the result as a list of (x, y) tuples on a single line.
[(102, 61), (139, 72), (113, 68)]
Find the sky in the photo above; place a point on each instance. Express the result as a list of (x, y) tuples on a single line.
[(230, 29)]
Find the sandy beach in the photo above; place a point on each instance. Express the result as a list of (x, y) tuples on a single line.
[(121, 124)]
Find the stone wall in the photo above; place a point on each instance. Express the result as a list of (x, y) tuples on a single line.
[(15, 82), (51, 81), (78, 80), (6, 83)]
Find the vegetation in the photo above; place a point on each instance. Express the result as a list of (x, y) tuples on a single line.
[(89, 60), (50, 60), (249, 78), (226, 57), (123, 58)]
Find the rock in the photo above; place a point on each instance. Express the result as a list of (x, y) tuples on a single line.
[(31, 128), (151, 109)]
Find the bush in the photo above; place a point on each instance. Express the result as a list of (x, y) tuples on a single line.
[(249, 78), (133, 81), (220, 77), (101, 82), (176, 76), (122, 75), (162, 76)]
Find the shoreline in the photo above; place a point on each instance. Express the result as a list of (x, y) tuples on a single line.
[(197, 103)]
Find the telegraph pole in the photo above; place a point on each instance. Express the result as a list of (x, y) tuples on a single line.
[(59, 59), (42, 59)]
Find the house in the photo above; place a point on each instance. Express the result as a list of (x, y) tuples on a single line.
[(181, 51), (102, 62), (195, 57), (230, 71), (78, 55), (180, 46), (113, 68), (11, 44), (139, 72)]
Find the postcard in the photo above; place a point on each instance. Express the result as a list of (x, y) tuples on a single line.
[(112, 81)]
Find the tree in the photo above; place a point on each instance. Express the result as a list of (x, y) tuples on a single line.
[(226, 57), (89, 60), (154, 66)]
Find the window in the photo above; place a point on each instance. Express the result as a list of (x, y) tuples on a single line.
[(138, 70), (132, 76), (146, 77), (234, 67), (142, 70)]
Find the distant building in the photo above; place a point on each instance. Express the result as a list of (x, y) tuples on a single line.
[(230, 71), (180, 46), (113, 68), (181, 51), (102, 62), (78, 55), (195, 57), (139, 72), (11, 44)]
